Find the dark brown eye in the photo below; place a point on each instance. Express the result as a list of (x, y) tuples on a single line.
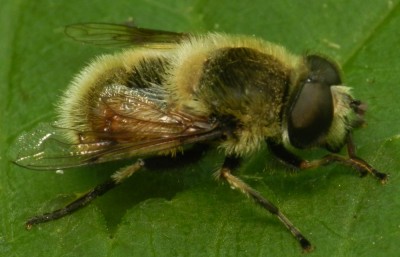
[(311, 113)]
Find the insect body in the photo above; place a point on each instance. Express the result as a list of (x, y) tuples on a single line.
[(174, 90)]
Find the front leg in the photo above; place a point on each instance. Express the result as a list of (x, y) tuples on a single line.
[(225, 173), (353, 161)]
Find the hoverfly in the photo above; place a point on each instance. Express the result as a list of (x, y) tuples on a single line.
[(169, 90)]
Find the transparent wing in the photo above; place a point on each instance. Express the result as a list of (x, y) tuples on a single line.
[(131, 114), (129, 123), (45, 148), (123, 35)]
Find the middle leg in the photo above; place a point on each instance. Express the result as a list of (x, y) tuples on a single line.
[(226, 173)]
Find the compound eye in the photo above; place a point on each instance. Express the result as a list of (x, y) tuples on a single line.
[(323, 70), (311, 113)]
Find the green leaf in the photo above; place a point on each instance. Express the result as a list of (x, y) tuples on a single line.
[(181, 210)]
